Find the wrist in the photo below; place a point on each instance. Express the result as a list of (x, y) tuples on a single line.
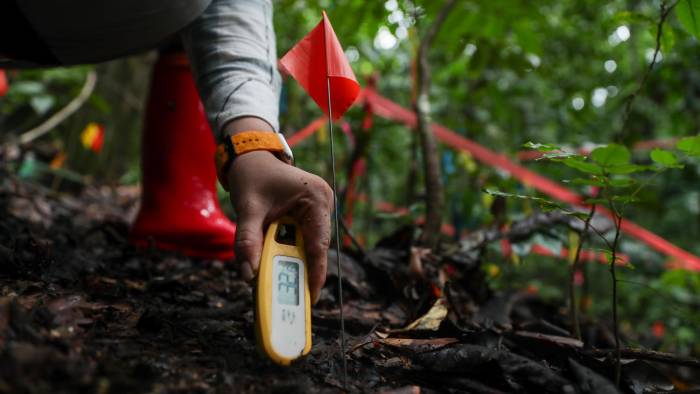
[(249, 160), (242, 138)]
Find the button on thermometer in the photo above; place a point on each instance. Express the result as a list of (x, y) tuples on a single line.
[(282, 305)]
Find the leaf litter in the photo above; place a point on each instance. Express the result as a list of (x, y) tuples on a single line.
[(82, 311)]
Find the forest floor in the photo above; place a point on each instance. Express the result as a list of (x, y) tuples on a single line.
[(82, 311)]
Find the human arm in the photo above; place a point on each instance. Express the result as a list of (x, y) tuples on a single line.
[(232, 51)]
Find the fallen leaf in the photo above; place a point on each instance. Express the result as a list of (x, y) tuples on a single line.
[(430, 321), (417, 344)]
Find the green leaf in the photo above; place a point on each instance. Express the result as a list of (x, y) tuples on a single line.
[(28, 87), (578, 214), (668, 40), (611, 155), (688, 12), (585, 182), (42, 103), (622, 182), (608, 255), (674, 278), (544, 204), (557, 156), (663, 157), (626, 168), (633, 17), (540, 147), (690, 145), (527, 36), (579, 164), (625, 199), (100, 104)]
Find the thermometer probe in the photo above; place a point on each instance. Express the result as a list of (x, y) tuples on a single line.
[(282, 300)]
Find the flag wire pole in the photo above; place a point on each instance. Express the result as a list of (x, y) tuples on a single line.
[(337, 237)]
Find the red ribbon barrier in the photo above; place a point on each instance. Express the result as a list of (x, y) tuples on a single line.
[(388, 109), (306, 132)]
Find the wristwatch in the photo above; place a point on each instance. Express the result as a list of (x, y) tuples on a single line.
[(249, 141)]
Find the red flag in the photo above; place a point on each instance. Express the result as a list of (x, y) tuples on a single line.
[(317, 56)]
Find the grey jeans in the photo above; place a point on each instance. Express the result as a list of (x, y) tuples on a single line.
[(230, 43)]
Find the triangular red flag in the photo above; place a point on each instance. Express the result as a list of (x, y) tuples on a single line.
[(317, 56)]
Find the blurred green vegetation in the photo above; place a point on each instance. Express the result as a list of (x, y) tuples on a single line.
[(504, 72)]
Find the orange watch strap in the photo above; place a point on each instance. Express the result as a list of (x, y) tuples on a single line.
[(249, 141), (244, 142)]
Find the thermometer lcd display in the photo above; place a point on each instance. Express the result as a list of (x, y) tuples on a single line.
[(288, 282)]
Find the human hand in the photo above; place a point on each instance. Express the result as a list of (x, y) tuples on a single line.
[(263, 189)]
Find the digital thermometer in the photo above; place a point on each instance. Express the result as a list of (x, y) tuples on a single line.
[(282, 300)]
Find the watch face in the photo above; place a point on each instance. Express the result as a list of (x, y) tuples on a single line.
[(286, 151)]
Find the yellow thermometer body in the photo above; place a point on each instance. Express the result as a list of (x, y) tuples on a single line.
[(282, 302)]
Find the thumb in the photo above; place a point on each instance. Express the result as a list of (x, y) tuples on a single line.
[(248, 245)]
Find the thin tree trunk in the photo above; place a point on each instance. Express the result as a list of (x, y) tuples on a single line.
[(412, 178), (575, 267), (434, 193)]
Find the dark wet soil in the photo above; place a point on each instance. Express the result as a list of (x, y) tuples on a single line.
[(82, 311)]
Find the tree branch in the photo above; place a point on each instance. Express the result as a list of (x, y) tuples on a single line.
[(517, 231), (649, 355), (664, 12), (63, 113)]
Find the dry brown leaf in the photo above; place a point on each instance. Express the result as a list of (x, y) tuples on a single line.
[(402, 390), (559, 340), (430, 321), (418, 344)]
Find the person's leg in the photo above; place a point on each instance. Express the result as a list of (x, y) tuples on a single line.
[(179, 207), (89, 31), (18, 39)]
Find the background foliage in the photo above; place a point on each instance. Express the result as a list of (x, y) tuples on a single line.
[(504, 72)]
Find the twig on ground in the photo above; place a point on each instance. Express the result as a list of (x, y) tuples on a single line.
[(648, 355), (63, 114), (518, 230)]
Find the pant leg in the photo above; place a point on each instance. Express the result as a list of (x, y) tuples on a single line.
[(30, 47), (91, 31)]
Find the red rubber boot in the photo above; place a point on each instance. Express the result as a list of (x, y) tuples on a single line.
[(179, 206)]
